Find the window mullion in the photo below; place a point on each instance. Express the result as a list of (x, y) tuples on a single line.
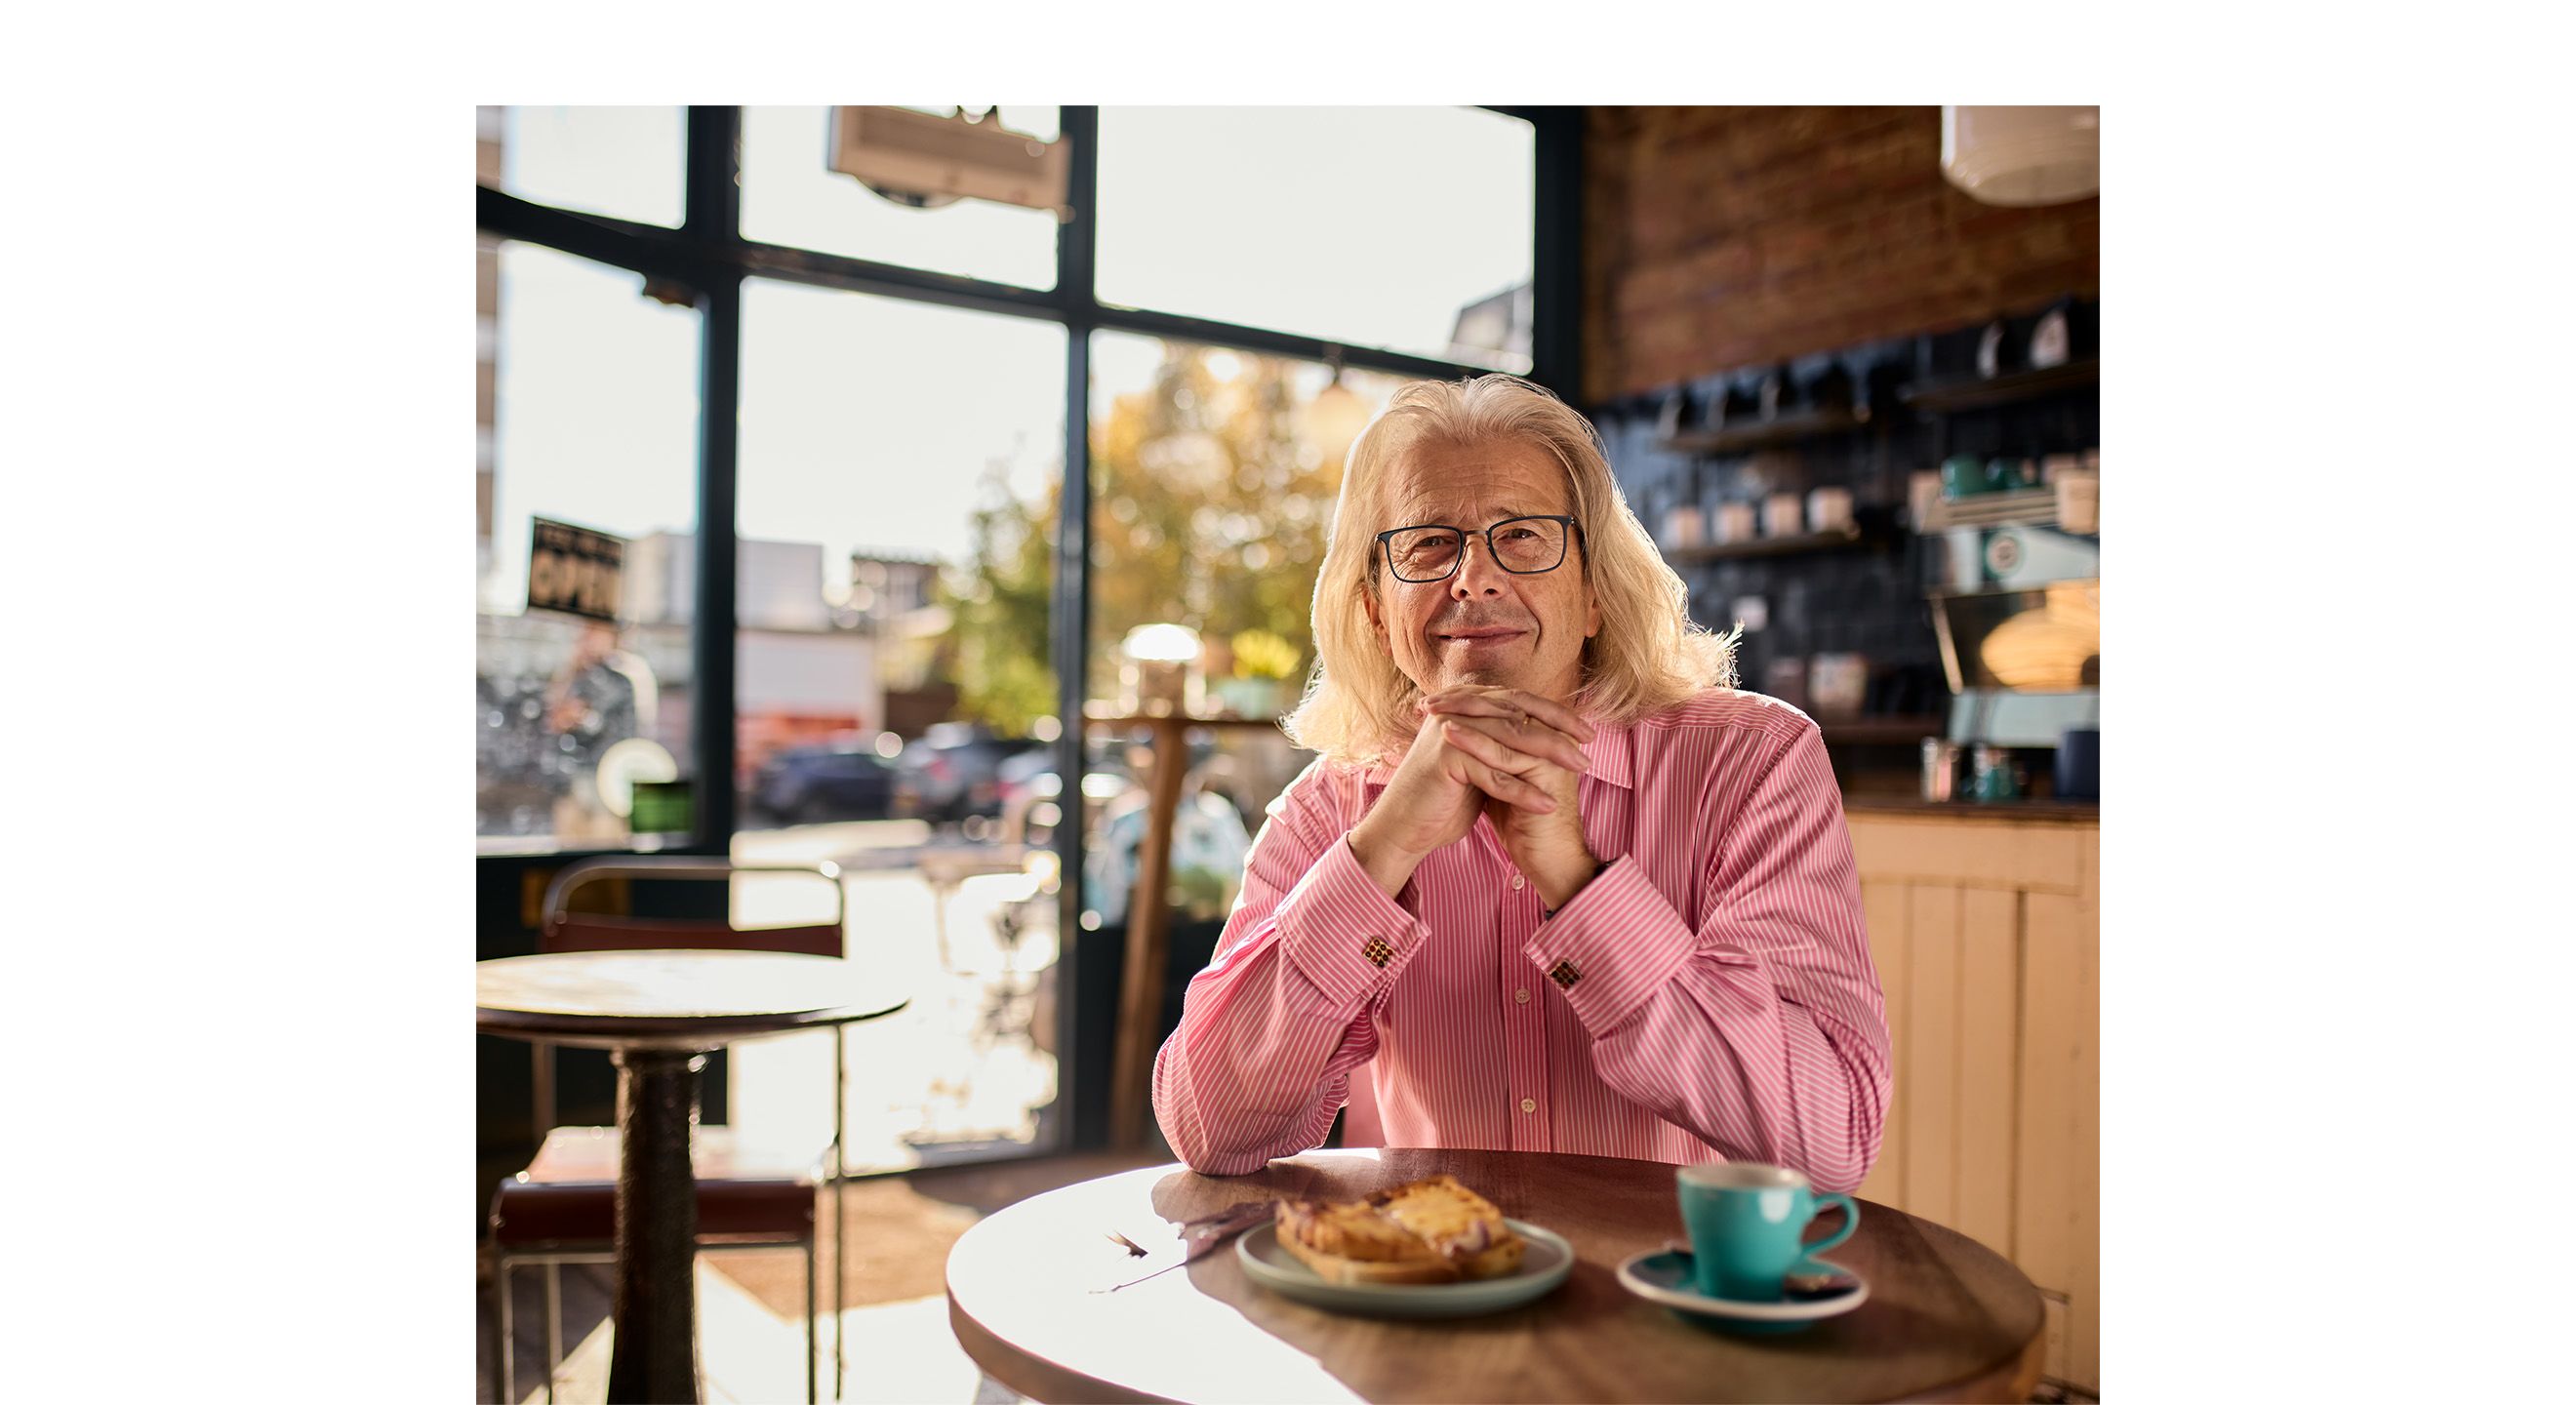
[(1070, 619), (713, 201)]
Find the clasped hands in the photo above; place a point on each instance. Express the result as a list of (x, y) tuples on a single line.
[(1513, 756)]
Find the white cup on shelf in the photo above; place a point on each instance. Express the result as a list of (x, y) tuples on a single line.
[(1829, 510), (2079, 501), (1781, 515)]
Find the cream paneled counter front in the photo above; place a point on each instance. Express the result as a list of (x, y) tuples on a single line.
[(1985, 923)]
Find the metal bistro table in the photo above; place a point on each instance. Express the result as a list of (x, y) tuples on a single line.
[(1032, 1295), (660, 1013)]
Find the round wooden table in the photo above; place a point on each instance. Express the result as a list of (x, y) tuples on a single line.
[(1032, 1295), (661, 1013)]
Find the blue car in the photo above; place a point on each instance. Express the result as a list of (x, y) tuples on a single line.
[(819, 784)]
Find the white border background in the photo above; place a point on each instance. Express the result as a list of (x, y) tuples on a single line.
[(242, 391)]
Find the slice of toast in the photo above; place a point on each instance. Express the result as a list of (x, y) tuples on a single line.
[(1429, 1231), (1461, 1226)]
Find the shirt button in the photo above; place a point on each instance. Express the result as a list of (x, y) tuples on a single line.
[(1529, 1104), (1519, 882), (1520, 996)]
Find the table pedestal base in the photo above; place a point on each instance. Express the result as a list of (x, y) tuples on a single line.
[(655, 1353)]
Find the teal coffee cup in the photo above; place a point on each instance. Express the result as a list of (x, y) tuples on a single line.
[(1963, 476), (1745, 1221)]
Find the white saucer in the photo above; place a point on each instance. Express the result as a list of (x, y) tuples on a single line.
[(1664, 1276)]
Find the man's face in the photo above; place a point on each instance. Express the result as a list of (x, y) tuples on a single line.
[(1483, 625)]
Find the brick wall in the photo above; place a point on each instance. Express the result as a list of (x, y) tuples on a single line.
[(1721, 237), (1722, 241)]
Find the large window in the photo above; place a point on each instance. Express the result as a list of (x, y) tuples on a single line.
[(1407, 228), (1215, 473), (617, 161), (791, 196), (593, 423), (888, 472), (900, 469), (900, 463)]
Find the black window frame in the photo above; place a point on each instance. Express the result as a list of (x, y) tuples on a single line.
[(708, 257)]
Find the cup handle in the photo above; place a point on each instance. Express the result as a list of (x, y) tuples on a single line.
[(1851, 1222)]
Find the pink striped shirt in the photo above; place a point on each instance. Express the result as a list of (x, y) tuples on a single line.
[(1708, 996)]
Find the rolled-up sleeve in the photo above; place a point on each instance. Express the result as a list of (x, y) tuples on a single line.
[(1272, 1030), (1756, 1022)]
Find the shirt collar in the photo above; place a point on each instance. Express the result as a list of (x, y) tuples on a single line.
[(1612, 752)]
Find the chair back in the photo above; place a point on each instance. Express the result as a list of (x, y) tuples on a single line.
[(565, 930), (591, 931)]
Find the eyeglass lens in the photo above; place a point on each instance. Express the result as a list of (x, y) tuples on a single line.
[(1522, 545)]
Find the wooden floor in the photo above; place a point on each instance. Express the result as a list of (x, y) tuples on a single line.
[(751, 1302), (897, 1353)]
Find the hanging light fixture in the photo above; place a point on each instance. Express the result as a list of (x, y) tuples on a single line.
[(2023, 155), (1335, 417)]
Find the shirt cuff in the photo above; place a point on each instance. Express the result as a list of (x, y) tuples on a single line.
[(1612, 946), (1344, 934)]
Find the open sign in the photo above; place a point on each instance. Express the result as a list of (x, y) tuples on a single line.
[(574, 570)]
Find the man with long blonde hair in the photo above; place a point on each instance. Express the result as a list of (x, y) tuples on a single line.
[(1552, 882)]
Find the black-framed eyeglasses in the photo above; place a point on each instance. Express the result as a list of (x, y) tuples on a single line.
[(1524, 546)]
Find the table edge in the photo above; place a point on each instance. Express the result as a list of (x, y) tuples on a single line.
[(672, 1031), (2012, 1379), (1032, 1376)]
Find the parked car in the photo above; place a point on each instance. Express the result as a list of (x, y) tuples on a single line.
[(1032, 791), (953, 773), (816, 784)]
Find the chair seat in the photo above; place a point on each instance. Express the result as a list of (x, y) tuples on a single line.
[(568, 1194)]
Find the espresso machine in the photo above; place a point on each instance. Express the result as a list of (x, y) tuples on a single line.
[(2019, 619)]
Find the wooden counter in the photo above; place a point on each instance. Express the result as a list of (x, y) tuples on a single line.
[(2009, 811), (1985, 924)]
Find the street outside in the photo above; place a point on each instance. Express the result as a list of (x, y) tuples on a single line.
[(970, 1061)]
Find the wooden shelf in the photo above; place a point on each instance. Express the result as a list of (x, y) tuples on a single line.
[(1759, 434), (1970, 393), (1765, 546), (1884, 731)]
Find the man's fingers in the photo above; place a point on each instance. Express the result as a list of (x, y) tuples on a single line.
[(1510, 702), (1553, 713), (1511, 789), (1501, 708), (1531, 738), (1489, 766)]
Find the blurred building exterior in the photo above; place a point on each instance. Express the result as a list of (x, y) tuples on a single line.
[(1497, 328)]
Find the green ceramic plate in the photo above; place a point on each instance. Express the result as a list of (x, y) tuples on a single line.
[(1543, 1266)]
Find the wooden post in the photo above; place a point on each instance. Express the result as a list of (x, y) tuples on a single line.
[(1140, 1002)]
